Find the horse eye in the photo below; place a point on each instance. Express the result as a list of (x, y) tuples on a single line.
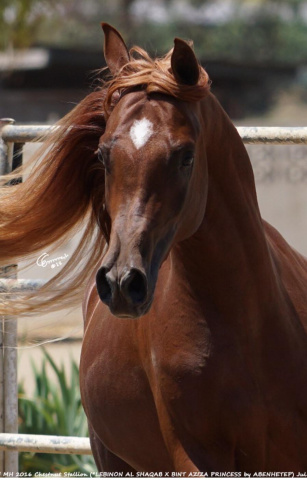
[(188, 159)]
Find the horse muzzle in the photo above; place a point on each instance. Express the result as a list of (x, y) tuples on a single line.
[(126, 295)]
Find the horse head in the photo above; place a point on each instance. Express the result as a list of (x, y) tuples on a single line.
[(155, 176)]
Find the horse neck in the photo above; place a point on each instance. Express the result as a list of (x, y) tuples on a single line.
[(228, 260)]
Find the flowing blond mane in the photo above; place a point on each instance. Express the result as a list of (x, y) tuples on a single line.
[(64, 194)]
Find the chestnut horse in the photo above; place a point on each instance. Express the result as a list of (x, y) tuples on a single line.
[(194, 356)]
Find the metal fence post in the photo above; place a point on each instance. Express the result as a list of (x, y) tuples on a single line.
[(8, 342), (3, 169)]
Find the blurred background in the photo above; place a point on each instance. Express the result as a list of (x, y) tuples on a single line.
[(255, 52)]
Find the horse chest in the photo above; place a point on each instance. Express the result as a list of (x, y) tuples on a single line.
[(121, 369), (160, 376), (118, 399)]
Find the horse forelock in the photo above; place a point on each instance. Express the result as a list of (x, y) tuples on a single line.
[(152, 75)]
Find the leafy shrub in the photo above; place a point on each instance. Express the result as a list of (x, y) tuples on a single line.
[(54, 409)]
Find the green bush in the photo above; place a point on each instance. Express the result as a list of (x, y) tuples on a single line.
[(54, 409)]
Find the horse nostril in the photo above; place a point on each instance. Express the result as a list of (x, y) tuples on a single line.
[(134, 287), (103, 286)]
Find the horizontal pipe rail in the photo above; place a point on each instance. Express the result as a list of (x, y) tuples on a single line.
[(249, 135), (273, 135), (12, 285), (26, 133), (45, 444)]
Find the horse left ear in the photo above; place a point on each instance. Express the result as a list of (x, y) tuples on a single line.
[(184, 63), (115, 50)]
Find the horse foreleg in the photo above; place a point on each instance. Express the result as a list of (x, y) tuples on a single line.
[(105, 460)]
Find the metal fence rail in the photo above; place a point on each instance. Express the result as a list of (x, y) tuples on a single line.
[(249, 135), (25, 133), (45, 444), (11, 442), (11, 285), (273, 135)]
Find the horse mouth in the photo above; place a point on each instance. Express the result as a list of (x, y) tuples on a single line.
[(124, 311)]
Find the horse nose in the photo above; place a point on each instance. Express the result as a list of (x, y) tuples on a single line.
[(133, 287)]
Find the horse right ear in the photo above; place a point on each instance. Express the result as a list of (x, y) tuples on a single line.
[(115, 50), (184, 64)]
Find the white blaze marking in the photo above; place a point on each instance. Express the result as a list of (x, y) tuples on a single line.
[(140, 132)]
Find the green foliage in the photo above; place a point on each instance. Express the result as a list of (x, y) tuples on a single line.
[(21, 20), (24, 23), (54, 409)]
